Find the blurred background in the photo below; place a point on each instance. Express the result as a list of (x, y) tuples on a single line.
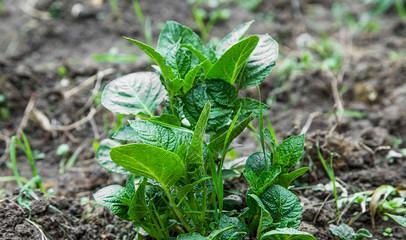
[(340, 78)]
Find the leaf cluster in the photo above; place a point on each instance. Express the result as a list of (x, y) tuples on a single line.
[(186, 114)]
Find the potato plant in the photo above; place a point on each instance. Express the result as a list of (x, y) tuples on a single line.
[(184, 116)]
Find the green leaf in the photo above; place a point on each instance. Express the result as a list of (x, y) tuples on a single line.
[(250, 106), (398, 219), (156, 57), (258, 174), (167, 118), (266, 179), (287, 234), (142, 211), (195, 152), (289, 152), (216, 234), (230, 64), (345, 232), (237, 227), (232, 38), (180, 60), (138, 209), (260, 62), (125, 133), (265, 221), (283, 206), (184, 190), (287, 178), (149, 161), (159, 134), (134, 93), (103, 156), (362, 233), (174, 34), (108, 197), (221, 96), (116, 198), (256, 163), (191, 76), (191, 236), (219, 141)]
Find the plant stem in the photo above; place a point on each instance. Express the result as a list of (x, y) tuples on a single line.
[(177, 211), (30, 158), (13, 159)]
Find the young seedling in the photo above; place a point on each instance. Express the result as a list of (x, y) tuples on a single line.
[(27, 187), (207, 13), (328, 168), (145, 22), (183, 118), (345, 232)]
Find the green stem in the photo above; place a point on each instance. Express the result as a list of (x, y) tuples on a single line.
[(13, 159), (177, 211), (28, 152), (204, 206)]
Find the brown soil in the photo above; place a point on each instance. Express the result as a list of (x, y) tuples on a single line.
[(33, 48)]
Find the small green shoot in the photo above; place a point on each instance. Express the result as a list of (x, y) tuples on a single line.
[(25, 146), (379, 7), (206, 18), (26, 186), (145, 22), (115, 9), (113, 56), (345, 232), (328, 167)]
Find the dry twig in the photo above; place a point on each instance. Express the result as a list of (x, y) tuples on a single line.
[(28, 8), (47, 126), (309, 122), (27, 112), (85, 84)]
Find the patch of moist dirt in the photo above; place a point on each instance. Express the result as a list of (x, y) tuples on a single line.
[(60, 218)]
